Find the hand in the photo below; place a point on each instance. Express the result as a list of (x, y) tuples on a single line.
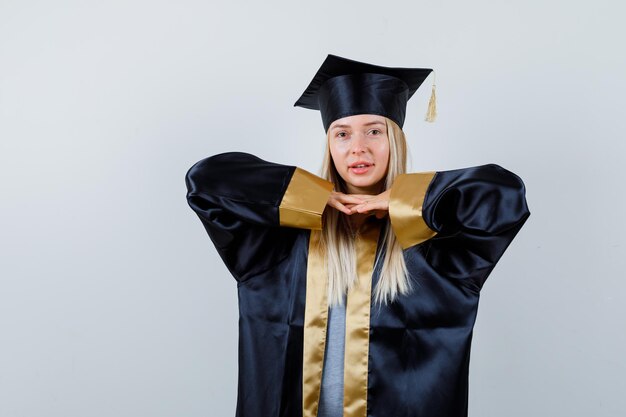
[(378, 204), (344, 202), (361, 203)]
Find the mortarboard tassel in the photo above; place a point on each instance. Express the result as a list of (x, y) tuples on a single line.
[(431, 114)]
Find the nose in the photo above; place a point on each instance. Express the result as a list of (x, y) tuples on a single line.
[(359, 145)]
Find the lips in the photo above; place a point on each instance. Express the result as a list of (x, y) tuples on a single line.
[(360, 167)]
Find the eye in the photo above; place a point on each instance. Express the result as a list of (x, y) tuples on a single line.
[(375, 131), (342, 135)]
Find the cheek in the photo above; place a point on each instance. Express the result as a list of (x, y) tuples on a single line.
[(336, 154), (334, 158), (382, 155), (339, 147)]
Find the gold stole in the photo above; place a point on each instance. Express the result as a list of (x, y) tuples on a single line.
[(357, 325)]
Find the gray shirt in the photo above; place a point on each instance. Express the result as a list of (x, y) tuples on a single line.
[(331, 395)]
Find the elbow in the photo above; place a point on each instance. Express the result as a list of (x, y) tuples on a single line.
[(502, 203), (513, 191)]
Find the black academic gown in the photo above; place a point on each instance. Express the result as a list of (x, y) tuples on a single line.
[(453, 225)]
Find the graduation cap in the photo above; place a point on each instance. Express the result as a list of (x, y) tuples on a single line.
[(344, 87)]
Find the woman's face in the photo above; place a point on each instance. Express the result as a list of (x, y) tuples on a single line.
[(359, 146)]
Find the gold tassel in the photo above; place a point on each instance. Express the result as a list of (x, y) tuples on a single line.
[(431, 114)]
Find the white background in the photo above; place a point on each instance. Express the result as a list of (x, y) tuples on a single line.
[(113, 301)]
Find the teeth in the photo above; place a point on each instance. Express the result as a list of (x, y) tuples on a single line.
[(360, 166)]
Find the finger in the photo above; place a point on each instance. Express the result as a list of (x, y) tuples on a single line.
[(336, 204), (346, 198), (362, 208), (367, 207), (381, 214), (362, 196)]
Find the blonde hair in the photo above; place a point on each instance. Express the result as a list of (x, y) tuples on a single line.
[(339, 246)]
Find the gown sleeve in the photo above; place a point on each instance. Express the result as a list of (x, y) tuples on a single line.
[(251, 208), (469, 216)]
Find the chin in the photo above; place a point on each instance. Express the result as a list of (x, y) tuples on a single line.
[(363, 182)]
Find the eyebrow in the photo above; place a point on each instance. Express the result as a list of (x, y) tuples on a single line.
[(366, 124)]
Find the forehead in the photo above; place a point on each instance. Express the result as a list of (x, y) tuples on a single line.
[(358, 120)]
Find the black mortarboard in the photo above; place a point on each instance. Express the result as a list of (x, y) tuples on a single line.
[(344, 87)]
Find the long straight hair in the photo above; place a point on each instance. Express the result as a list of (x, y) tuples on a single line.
[(338, 243)]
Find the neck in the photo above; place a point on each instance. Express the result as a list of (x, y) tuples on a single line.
[(357, 220)]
